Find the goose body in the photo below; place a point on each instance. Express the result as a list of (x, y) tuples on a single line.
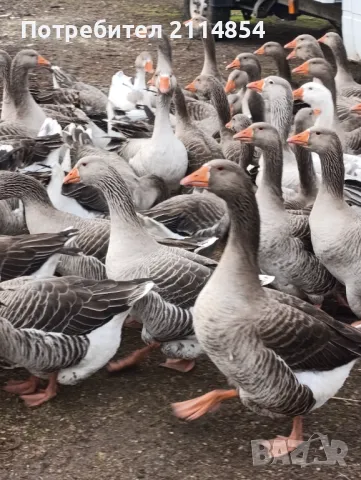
[(273, 369)]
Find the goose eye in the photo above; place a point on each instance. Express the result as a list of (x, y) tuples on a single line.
[(84, 164), (311, 88), (260, 128), (271, 82), (220, 168), (318, 133)]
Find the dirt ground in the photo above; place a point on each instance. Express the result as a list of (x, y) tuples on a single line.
[(120, 427)]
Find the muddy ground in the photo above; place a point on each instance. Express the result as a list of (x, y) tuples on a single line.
[(121, 427)]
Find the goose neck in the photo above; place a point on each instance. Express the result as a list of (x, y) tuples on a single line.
[(19, 83), (279, 113), (139, 80), (162, 125), (180, 107), (220, 102), (329, 82), (27, 189), (271, 179), (308, 179), (340, 55), (283, 67), (210, 60), (333, 171), (123, 217), (239, 261)]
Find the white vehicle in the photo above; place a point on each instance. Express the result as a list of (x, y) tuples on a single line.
[(345, 15)]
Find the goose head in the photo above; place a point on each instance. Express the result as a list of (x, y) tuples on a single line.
[(31, 59), (144, 62), (87, 170), (164, 80), (331, 39), (299, 40), (237, 80), (317, 139), (238, 122), (306, 50), (314, 67), (202, 84), (261, 134), (315, 94), (305, 118), (222, 177), (247, 62), (196, 21), (272, 49), (272, 87)]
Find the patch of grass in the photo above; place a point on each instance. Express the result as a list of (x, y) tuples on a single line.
[(302, 21)]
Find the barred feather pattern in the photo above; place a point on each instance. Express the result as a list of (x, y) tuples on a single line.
[(40, 352)]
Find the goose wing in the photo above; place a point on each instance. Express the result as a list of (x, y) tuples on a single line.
[(69, 305)]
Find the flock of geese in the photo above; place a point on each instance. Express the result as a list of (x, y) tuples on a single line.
[(216, 219)]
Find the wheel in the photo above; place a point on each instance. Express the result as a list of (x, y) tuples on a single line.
[(219, 15)]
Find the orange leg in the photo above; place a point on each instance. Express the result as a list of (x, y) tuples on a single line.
[(195, 408), (133, 323), (21, 387), (133, 359), (282, 445), (43, 395), (180, 365)]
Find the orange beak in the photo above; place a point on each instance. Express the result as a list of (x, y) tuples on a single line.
[(199, 178), (151, 81), (322, 39), (72, 177), (235, 64), (291, 44), (229, 124), (298, 94), (291, 55), (164, 84), (191, 87), (317, 111), (356, 109), (257, 86), (230, 86), (187, 22), (245, 136), (300, 139), (260, 51), (43, 61), (302, 69), (148, 67)]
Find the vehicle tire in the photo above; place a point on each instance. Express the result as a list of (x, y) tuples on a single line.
[(219, 15)]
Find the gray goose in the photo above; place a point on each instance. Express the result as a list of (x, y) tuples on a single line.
[(91, 100), (272, 348), (277, 53), (297, 271), (345, 84), (251, 65), (306, 195), (18, 105), (63, 329), (178, 274), (231, 149), (335, 226), (322, 70), (304, 46), (33, 255)]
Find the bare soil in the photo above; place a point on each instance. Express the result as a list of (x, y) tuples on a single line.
[(120, 427)]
